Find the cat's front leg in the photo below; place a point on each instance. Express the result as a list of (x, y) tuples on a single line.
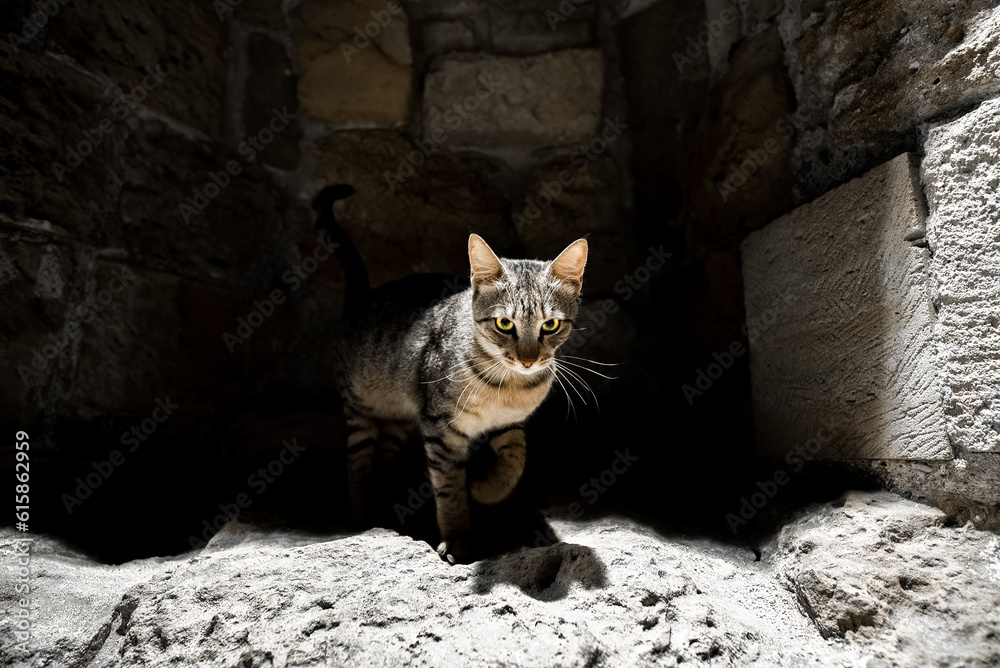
[(510, 450), (446, 452)]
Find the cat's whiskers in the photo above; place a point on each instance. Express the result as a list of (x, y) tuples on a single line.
[(575, 376), (569, 380), (569, 400), (577, 357), (469, 367), (580, 366)]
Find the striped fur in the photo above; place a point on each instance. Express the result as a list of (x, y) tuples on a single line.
[(449, 372)]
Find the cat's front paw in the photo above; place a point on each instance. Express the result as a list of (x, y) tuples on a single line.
[(455, 551)]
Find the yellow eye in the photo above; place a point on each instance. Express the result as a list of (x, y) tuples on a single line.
[(505, 324), (550, 326)]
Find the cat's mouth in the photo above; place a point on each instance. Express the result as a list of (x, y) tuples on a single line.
[(534, 368)]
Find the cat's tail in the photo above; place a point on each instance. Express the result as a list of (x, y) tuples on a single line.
[(356, 274)]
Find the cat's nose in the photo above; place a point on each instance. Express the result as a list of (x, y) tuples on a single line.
[(527, 365)]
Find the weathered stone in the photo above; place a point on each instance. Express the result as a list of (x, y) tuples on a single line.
[(870, 566), (537, 26), (521, 103), (551, 214), (873, 72), (38, 276), (120, 370), (609, 588), (231, 235), (961, 176), (271, 85), (261, 13), (444, 36), (416, 223), (120, 39), (843, 355), (48, 106), (354, 68)]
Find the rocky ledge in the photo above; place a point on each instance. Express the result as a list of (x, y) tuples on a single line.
[(871, 580)]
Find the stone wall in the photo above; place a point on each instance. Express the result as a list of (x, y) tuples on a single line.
[(665, 131)]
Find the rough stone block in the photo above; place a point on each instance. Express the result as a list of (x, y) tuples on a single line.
[(119, 38), (37, 276), (121, 367), (536, 26), (443, 36), (229, 237), (961, 176), (843, 359), (872, 72), (353, 68), (520, 103), (564, 202), (420, 223), (48, 107)]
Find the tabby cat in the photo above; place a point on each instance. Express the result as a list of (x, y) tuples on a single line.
[(476, 363)]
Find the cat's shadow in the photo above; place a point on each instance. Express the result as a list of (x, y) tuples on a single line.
[(544, 573)]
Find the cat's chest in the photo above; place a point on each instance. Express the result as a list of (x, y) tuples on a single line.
[(487, 407)]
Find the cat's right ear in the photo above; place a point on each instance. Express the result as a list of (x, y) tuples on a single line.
[(485, 265)]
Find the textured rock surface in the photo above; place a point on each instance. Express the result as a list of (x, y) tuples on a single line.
[(871, 72), (533, 26), (843, 354), (961, 175), (450, 193), (590, 204), (119, 39), (370, 84), (888, 571), (880, 580), (539, 101)]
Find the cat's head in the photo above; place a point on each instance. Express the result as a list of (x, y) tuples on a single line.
[(524, 309)]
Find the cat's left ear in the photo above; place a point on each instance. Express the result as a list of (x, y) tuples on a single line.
[(484, 263), (570, 263)]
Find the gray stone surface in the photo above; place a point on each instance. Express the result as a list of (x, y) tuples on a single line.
[(841, 325), (866, 75), (538, 101), (877, 581), (961, 177), (881, 569), (367, 86), (536, 26)]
